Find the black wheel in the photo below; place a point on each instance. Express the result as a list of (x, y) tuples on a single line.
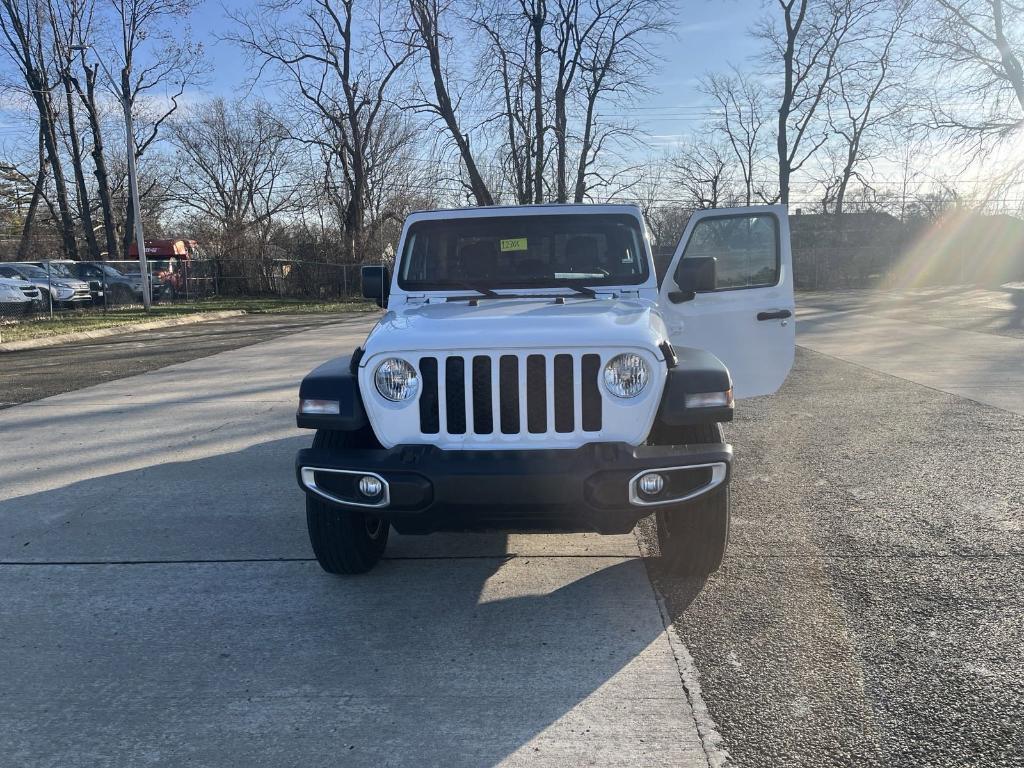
[(693, 537), (344, 542)]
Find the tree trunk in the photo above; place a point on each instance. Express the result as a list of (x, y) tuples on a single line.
[(537, 21), (100, 165), (561, 121), (33, 205), (84, 212), (427, 23)]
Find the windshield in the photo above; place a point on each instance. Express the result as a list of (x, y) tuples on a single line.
[(30, 271), (111, 272), (537, 251), (60, 270)]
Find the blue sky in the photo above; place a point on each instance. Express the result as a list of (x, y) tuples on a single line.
[(709, 35)]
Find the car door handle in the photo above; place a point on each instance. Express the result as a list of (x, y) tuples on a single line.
[(775, 314)]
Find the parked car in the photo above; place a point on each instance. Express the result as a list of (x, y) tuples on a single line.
[(69, 269), (122, 287), (18, 297), (531, 373), (63, 291)]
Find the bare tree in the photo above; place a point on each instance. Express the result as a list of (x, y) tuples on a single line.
[(977, 49), (37, 195), (503, 62), (233, 161), (26, 41), (616, 60), (154, 58), (73, 26), (740, 115), (428, 17), (343, 64), (66, 20), (701, 171), (806, 44), (870, 89)]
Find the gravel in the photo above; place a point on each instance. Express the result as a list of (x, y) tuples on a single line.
[(870, 608)]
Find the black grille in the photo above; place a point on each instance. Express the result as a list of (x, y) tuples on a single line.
[(455, 394), (564, 387), (590, 370), (483, 418), (430, 420), (508, 382), (564, 384), (536, 394)]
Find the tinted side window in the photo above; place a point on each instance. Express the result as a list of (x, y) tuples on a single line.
[(747, 249)]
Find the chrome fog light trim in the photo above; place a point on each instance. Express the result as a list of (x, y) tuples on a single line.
[(718, 474), (308, 477)]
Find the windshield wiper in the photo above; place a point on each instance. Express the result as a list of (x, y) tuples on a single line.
[(483, 290), (580, 288)]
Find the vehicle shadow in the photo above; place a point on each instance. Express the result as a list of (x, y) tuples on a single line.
[(174, 614)]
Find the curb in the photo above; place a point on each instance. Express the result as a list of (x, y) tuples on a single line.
[(99, 333), (710, 737)]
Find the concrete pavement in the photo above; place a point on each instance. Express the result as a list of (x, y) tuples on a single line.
[(885, 334), (161, 605)]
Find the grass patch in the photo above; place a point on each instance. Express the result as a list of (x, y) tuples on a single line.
[(78, 321)]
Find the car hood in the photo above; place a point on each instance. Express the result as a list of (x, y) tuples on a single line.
[(13, 283), (520, 324)]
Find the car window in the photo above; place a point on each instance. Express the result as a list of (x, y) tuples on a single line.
[(60, 270), (33, 272), (746, 248), (524, 251)]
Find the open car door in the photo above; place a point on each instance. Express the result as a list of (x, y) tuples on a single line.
[(729, 290)]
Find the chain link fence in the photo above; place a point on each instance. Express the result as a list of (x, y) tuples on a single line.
[(856, 250), (49, 288)]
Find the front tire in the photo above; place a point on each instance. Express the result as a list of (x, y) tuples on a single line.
[(344, 542), (693, 538)]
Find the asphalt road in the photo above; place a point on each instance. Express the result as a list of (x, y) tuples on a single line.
[(871, 608), (36, 373)]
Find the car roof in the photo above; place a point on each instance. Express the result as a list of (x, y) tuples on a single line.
[(483, 211)]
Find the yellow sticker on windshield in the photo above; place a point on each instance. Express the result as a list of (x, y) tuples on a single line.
[(516, 244)]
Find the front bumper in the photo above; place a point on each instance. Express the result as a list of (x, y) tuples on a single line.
[(591, 488)]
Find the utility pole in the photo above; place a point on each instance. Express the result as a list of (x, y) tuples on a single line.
[(133, 179)]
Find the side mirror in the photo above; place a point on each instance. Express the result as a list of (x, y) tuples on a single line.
[(693, 276), (376, 284)]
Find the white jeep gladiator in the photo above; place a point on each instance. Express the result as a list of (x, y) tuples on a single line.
[(531, 374)]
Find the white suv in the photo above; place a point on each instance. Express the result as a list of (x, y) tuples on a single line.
[(531, 374)]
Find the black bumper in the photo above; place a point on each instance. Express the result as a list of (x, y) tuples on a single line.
[(586, 489)]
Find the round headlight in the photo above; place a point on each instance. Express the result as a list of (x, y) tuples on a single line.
[(626, 375), (396, 380)]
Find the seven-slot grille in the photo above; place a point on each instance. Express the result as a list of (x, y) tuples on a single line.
[(510, 394)]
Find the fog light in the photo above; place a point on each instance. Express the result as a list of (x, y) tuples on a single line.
[(651, 484), (370, 486), (319, 407)]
